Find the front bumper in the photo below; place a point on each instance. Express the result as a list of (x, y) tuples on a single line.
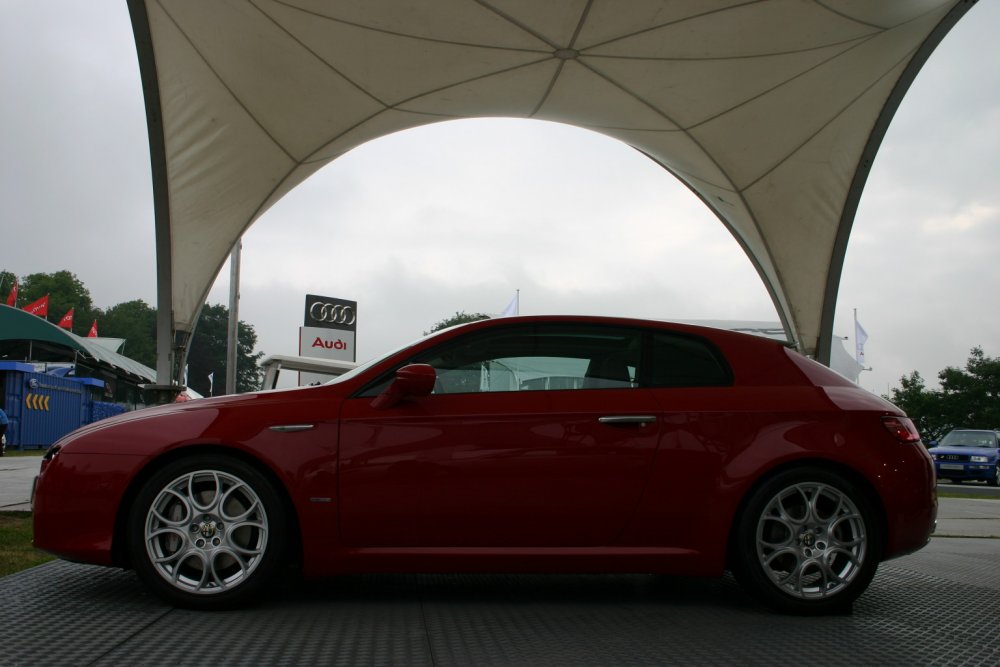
[(965, 471)]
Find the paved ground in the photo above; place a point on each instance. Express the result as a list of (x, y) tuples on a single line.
[(940, 606), (936, 607), (16, 475)]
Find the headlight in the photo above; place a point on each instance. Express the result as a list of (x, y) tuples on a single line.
[(978, 459), (934, 456)]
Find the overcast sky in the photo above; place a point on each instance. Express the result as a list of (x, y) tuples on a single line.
[(457, 216)]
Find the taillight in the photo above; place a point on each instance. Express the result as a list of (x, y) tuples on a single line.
[(901, 428)]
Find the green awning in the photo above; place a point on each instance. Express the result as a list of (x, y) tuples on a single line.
[(16, 324)]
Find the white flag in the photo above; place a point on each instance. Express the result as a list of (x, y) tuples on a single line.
[(860, 338), (512, 307)]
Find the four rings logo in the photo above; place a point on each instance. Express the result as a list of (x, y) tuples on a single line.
[(333, 313), (330, 312)]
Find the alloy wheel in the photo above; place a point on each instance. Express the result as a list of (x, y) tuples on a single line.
[(811, 540), (206, 532)]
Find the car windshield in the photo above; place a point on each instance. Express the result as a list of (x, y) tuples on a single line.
[(354, 372), (969, 439)]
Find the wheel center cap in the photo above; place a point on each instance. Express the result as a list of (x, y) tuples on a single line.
[(808, 539), (207, 529)]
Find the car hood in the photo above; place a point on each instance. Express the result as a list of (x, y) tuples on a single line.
[(968, 451), (192, 407)]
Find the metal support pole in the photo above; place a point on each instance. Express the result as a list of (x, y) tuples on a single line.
[(232, 338)]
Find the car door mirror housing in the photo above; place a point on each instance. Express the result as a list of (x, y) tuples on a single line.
[(411, 380)]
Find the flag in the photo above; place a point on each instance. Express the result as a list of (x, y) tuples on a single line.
[(860, 338), (40, 307), (12, 296), (67, 320), (93, 330), (512, 307)]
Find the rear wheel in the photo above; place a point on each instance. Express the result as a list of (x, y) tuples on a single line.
[(206, 532), (806, 542)]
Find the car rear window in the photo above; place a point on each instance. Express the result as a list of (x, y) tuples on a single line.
[(686, 361)]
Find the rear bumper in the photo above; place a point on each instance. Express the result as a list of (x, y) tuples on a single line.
[(909, 496)]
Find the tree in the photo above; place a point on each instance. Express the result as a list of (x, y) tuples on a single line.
[(968, 397), (971, 396), (65, 291), (458, 318), (919, 403), (135, 321), (207, 355), (6, 285)]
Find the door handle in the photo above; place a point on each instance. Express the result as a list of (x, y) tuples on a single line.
[(291, 428), (618, 420)]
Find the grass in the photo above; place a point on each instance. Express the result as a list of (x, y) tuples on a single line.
[(16, 552), (959, 494)]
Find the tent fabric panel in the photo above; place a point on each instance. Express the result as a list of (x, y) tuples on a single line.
[(457, 21), (210, 136), (679, 153), (778, 26), (755, 137), (607, 23), (884, 14), (583, 97), (515, 93), (295, 97), (795, 212), (395, 68), (695, 91)]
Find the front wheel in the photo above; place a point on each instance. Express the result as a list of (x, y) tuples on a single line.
[(995, 480), (806, 543), (206, 532)]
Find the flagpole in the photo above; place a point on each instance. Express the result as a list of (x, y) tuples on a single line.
[(858, 355), (856, 339)]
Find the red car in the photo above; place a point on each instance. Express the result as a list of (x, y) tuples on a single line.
[(522, 444)]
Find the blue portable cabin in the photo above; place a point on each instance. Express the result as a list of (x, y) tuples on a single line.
[(53, 381)]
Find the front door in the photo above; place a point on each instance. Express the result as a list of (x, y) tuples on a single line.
[(535, 435)]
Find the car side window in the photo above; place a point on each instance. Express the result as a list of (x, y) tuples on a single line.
[(686, 361), (540, 357)]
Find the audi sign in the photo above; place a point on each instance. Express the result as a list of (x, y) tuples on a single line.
[(330, 313), (328, 332)]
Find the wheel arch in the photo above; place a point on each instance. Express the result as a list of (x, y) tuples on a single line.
[(852, 475), (119, 546)]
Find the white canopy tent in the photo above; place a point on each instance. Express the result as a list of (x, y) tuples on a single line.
[(771, 111)]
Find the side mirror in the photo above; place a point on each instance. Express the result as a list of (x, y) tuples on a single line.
[(411, 380)]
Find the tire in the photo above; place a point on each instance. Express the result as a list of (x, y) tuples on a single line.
[(806, 543), (207, 532), (995, 480)]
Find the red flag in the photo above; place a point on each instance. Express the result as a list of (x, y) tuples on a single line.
[(40, 307), (12, 296), (67, 321), (93, 330)]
